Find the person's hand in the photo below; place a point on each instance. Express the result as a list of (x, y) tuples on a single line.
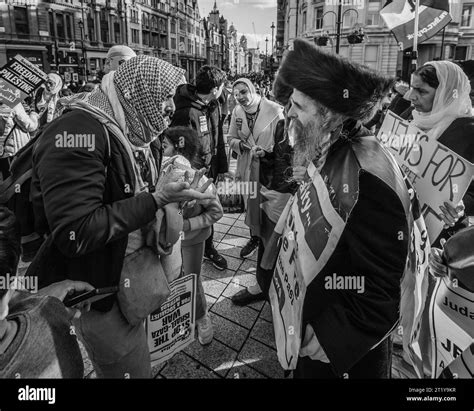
[(195, 186), (451, 214), (243, 147), (257, 152), (64, 288), (298, 173), (180, 192), (437, 265)]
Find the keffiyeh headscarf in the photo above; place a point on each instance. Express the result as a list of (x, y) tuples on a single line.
[(451, 100), (133, 97), (143, 84)]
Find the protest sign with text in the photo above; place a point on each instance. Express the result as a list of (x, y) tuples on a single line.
[(303, 254), (170, 329), (438, 174), (18, 78), (451, 323)]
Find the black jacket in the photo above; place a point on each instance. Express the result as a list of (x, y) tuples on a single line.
[(206, 120), (373, 246), (89, 211), (275, 166)]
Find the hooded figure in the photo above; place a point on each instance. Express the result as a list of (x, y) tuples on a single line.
[(335, 292), (95, 169), (47, 97)]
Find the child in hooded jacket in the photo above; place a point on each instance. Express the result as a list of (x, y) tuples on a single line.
[(180, 146)]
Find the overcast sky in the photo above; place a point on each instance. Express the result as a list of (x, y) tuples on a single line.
[(242, 13)]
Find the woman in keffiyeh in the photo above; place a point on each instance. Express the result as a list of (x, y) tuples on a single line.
[(95, 169)]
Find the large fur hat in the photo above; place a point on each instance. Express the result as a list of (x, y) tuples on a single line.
[(337, 83)]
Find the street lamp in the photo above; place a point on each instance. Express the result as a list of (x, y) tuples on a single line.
[(266, 53), (271, 54), (84, 55), (356, 37), (273, 29)]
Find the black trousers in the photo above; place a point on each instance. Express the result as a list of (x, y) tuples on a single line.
[(376, 364), (264, 277)]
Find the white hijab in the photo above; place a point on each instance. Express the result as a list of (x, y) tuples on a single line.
[(451, 100)]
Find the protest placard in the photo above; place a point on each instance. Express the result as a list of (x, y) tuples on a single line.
[(451, 323), (170, 329), (437, 173), (18, 78)]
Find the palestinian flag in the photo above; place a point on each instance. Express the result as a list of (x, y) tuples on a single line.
[(399, 15)]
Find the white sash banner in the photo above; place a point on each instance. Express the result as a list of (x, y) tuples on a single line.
[(312, 229)]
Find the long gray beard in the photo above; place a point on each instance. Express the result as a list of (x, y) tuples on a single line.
[(307, 143)]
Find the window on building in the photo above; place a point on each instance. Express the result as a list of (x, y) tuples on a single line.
[(173, 26), (173, 43), (373, 13), (305, 15), (60, 25), (182, 26), (104, 27), (349, 19), (466, 15), (52, 31), (461, 53), (117, 33), (135, 36), (318, 18), (370, 56), (69, 27), (190, 47), (21, 20), (91, 27)]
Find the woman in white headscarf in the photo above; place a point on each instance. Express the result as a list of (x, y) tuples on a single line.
[(251, 134), (47, 97), (439, 94)]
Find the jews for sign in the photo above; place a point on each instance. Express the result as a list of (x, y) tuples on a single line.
[(170, 329), (451, 323), (302, 256), (437, 173)]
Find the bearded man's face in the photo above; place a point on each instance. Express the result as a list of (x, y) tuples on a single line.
[(309, 128)]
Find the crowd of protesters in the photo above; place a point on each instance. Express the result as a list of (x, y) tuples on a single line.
[(325, 189)]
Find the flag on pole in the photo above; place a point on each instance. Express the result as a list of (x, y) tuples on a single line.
[(399, 15)]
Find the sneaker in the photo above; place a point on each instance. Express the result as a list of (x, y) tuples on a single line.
[(205, 330), (217, 260), (250, 247)]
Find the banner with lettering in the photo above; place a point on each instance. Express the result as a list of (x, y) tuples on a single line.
[(19, 78), (170, 329), (451, 323), (437, 173), (302, 256)]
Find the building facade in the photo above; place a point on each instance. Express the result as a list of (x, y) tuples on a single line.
[(313, 19), (72, 37)]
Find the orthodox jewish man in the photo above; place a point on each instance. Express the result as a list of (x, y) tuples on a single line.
[(342, 241)]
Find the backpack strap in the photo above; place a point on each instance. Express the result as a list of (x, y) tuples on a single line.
[(9, 185)]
